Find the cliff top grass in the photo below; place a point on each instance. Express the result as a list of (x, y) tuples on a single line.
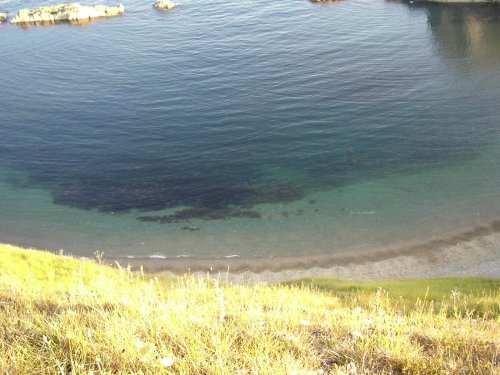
[(60, 315)]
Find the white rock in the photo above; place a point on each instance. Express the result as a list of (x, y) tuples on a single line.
[(164, 4), (65, 13)]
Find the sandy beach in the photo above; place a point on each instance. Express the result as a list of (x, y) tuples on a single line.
[(469, 252), (478, 257)]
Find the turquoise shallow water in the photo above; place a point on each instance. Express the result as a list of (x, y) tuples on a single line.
[(250, 128)]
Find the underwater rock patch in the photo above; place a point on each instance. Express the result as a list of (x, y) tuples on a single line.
[(278, 192), (203, 213), (191, 228), (3, 17), (121, 193)]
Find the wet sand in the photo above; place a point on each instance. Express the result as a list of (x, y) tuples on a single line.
[(469, 252)]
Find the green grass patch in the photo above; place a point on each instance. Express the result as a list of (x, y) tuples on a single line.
[(409, 294), (44, 269)]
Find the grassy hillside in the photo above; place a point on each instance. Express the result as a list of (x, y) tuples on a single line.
[(59, 315)]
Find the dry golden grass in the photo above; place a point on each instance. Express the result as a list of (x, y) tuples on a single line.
[(60, 315)]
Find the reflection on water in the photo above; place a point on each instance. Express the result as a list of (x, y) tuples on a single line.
[(466, 30)]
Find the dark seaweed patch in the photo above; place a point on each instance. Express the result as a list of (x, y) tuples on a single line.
[(214, 193), (191, 228), (148, 194), (202, 213), (276, 192)]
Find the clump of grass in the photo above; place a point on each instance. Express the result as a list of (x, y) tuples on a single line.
[(60, 315)]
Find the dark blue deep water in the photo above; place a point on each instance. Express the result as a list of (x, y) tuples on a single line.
[(222, 109)]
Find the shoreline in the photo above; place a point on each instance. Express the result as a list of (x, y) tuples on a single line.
[(479, 257), (469, 252)]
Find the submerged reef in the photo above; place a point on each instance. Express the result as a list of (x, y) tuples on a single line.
[(273, 193), (72, 12), (203, 213), (108, 194)]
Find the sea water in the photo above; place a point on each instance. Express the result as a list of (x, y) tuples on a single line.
[(250, 128)]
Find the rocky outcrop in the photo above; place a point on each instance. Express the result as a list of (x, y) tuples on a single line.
[(3, 17), (164, 4), (73, 12)]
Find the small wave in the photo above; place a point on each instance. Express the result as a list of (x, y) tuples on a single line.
[(155, 256)]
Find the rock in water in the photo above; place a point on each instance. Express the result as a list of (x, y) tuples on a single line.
[(3, 17), (65, 13), (164, 4)]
